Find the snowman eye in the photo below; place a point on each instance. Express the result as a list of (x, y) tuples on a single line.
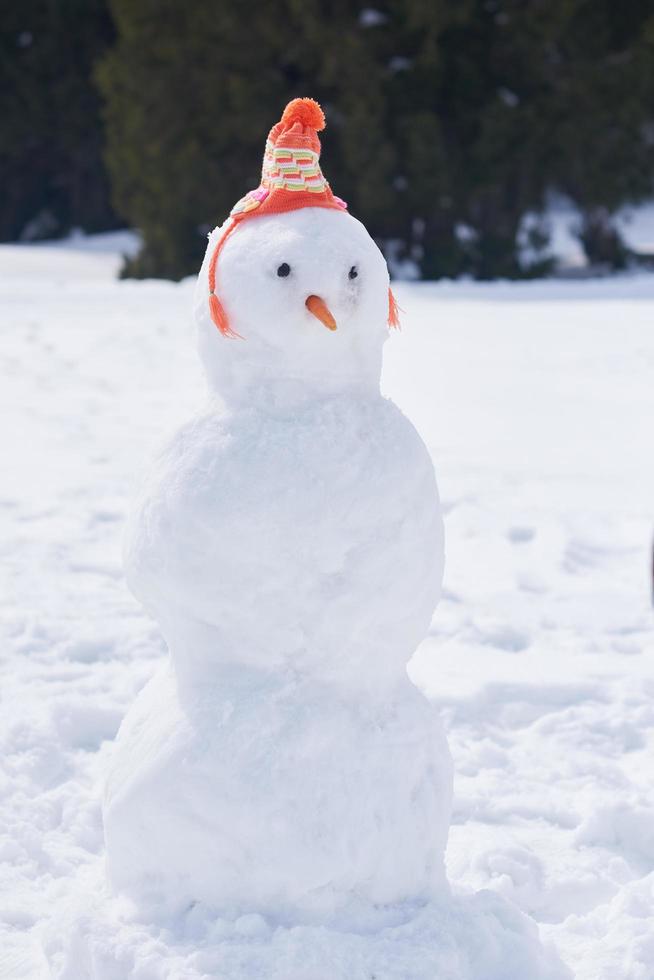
[(353, 273), (283, 270)]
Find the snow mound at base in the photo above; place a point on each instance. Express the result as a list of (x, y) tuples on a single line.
[(468, 937)]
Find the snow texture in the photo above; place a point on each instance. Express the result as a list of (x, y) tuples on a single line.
[(535, 402)]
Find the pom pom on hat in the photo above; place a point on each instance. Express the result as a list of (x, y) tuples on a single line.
[(305, 111)]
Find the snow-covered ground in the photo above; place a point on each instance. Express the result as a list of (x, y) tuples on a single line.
[(536, 402)]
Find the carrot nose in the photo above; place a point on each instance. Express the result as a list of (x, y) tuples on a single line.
[(319, 308)]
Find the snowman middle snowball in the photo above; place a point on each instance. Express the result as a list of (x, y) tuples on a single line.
[(289, 543)]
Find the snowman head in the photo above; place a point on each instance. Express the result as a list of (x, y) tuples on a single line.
[(293, 289)]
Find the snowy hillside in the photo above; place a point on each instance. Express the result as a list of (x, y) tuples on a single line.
[(536, 402)]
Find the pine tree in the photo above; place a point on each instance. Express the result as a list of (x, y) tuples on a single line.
[(51, 168), (599, 144), (447, 122), (190, 89)]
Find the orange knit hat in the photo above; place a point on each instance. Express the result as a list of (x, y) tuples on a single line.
[(291, 178)]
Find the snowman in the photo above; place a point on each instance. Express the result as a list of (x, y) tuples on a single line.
[(289, 543)]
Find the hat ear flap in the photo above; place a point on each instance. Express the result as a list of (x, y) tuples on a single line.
[(216, 308), (393, 310)]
